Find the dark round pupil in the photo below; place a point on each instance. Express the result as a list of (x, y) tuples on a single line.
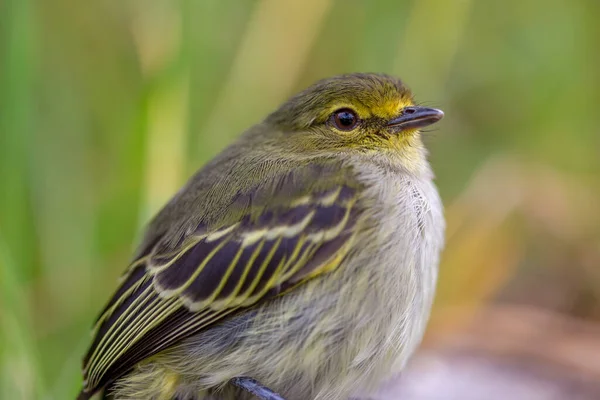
[(346, 118)]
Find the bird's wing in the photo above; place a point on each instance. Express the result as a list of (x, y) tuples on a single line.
[(174, 290)]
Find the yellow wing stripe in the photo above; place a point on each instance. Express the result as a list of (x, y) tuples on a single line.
[(239, 300), (177, 254), (197, 306), (166, 293), (117, 303), (133, 307), (133, 326), (221, 304), (160, 312)]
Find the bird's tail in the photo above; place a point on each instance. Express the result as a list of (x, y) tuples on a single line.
[(84, 395), (105, 394)]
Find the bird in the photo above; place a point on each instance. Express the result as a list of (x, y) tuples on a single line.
[(299, 263)]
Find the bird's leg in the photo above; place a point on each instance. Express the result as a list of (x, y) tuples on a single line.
[(256, 388)]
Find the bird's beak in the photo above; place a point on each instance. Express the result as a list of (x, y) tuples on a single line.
[(415, 117)]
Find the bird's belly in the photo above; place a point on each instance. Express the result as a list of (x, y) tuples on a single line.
[(401, 275)]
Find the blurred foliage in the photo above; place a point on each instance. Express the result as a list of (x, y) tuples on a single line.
[(106, 108)]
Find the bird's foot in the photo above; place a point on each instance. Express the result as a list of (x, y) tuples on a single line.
[(256, 388)]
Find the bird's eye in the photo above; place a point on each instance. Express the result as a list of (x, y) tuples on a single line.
[(345, 119)]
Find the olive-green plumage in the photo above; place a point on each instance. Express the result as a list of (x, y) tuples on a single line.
[(304, 256)]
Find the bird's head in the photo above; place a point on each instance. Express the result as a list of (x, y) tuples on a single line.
[(354, 112)]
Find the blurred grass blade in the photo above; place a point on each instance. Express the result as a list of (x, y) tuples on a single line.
[(266, 66), (165, 152), (20, 374), (20, 377), (430, 42), (16, 127)]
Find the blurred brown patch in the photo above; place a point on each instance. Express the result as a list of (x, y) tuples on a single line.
[(506, 352)]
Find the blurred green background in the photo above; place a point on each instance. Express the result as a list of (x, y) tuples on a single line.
[(106, 107)]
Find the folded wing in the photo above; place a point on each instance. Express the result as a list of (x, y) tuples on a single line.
[(177, 289)]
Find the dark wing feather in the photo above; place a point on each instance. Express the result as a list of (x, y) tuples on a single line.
[(176, 289)]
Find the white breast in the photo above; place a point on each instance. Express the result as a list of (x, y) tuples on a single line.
[(409, 236)]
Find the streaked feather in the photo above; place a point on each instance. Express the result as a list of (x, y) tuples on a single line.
[(178, 287)]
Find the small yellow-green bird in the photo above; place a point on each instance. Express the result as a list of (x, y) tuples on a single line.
[(300, 263)]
